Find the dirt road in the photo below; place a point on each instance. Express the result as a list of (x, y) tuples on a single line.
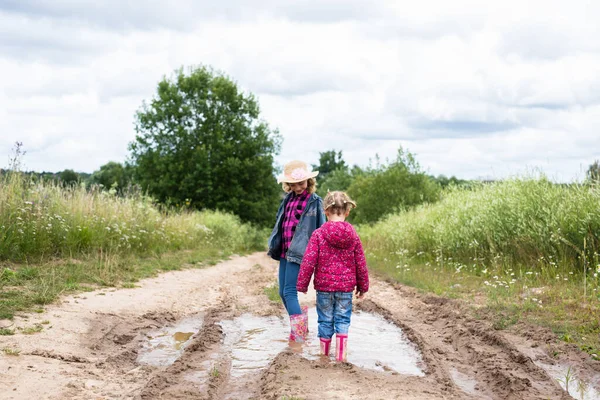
[(213, 334)]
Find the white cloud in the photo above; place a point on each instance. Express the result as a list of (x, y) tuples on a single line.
[(473, 88)]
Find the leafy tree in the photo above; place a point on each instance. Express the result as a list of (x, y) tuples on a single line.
[(200, 140), (68, 177), (339, 179), (391, 188), (112, 175), (330, 161), (593, 172)]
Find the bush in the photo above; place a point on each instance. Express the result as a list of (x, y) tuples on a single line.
[(390, 189)]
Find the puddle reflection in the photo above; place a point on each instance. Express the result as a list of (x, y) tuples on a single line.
[(375, 343), (254, 341), (165, 345)]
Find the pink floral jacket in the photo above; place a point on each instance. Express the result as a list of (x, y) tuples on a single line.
[(335, 255)]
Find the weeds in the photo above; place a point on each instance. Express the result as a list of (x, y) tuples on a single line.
[(30, 330), (9, 351), (272, 292), (567, 379)]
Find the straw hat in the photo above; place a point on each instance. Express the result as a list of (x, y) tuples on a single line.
[(296, 171)]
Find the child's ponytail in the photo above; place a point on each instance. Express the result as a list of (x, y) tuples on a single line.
[(338, 203)]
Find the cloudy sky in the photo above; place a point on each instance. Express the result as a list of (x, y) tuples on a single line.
[(473, 88)]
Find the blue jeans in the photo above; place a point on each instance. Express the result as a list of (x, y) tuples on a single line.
[(334, 310), (288, 276)]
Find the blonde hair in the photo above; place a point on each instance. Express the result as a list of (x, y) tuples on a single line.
[(311, 186), (338, 203)]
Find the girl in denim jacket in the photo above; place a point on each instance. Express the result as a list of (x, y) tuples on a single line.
[(299, 214), (335, 255)]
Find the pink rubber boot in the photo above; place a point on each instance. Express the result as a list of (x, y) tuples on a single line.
[(305, 316), (298, 328), (325, 344), (341, 343)]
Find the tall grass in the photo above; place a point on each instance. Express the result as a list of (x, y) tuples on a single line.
[(56, 240), (519, 221), (528, 247), (43, 220)]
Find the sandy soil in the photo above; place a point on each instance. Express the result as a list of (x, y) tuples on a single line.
[(89, 349)]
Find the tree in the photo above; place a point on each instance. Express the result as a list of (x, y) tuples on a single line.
[(339, 179), (200, 140), (391, 188), (112, 175), (593, 172), (68, 177), (329, 161)]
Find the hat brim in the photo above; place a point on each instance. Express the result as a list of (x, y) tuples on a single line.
[(287, 179)]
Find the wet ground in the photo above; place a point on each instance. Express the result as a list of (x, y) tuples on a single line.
[(213, 334)]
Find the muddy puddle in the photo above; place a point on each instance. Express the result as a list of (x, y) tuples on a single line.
[(466, 383), (165, 345), (569, 380), (252, 342), (373, 343)]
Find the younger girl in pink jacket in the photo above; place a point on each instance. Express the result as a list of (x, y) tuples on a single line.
[(336, 258)]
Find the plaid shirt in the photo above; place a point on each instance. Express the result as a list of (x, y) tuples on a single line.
[(291, 216)]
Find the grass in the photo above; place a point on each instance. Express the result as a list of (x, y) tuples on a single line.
[(272, 292), (9, 351), (520, 250), (41, 221), (26, 292), (30, 330), (56, 240), (6, 332)]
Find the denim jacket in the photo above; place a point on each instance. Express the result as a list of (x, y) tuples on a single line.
[(312, 218)]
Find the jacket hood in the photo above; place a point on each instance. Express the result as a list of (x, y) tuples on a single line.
[(339, 234)]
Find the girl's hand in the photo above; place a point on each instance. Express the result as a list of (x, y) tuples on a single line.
[(359, 294)]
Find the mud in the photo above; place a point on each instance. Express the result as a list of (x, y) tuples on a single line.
[(213, 334)]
